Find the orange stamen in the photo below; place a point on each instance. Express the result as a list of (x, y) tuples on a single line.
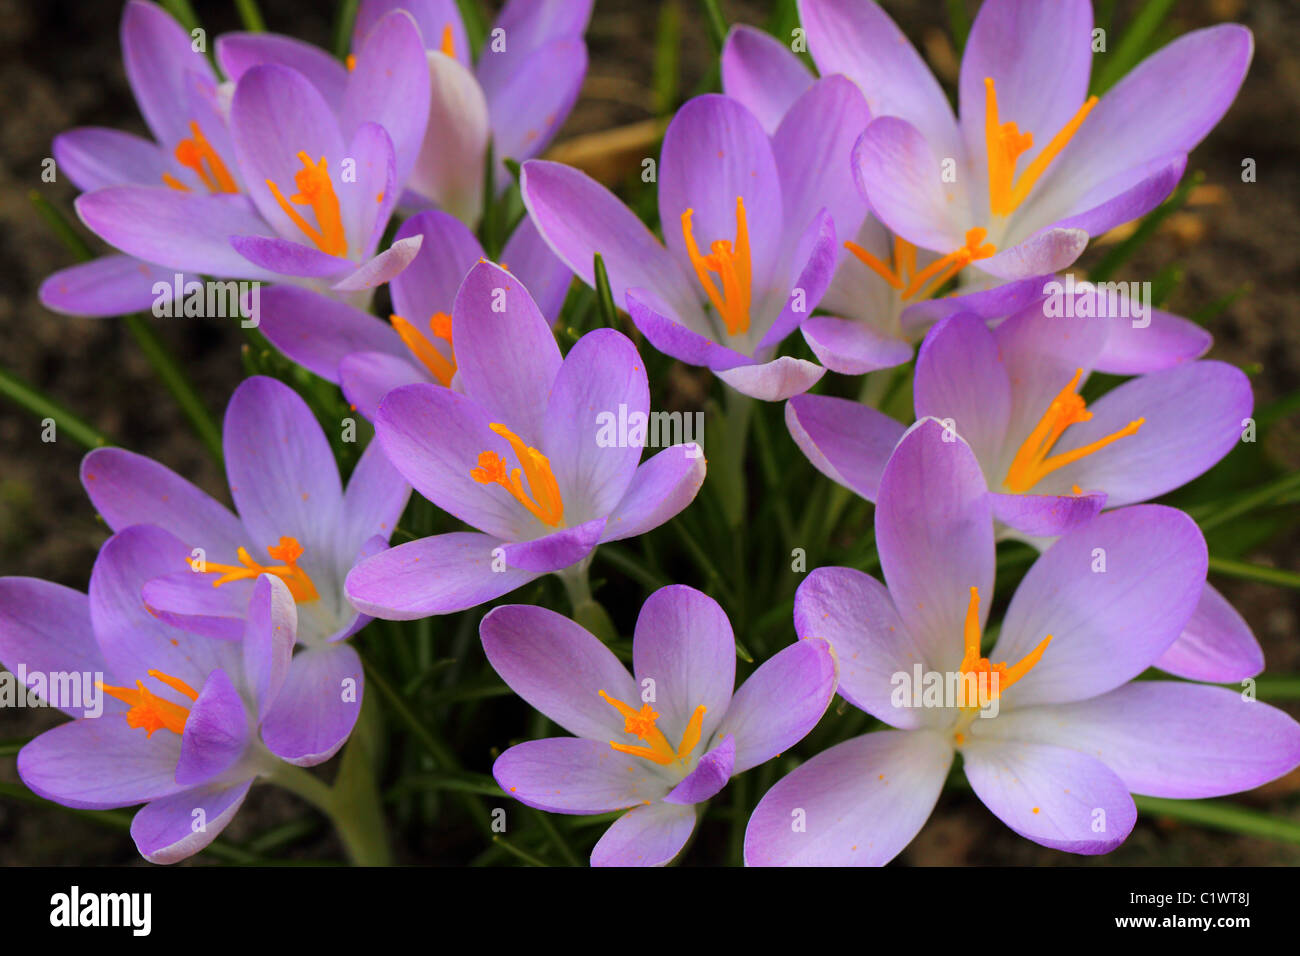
[(148, 710), (315, 190), (197, 154), (997, 677), (641, 723), (731, 265), (902, 274), (542, 497), (351, 62), (287, 551), (439, 366), (1031, 463), (448, 43)]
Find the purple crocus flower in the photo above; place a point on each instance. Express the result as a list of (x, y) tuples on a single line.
[(368, 357), (515, 100), (749, 225), (187, 723), (1061, 735), (1033, 166), (518, 410), (295, 521), (1050, 462), (658, 741), (316, 181)]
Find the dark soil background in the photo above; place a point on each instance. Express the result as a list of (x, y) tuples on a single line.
[(60, 66)]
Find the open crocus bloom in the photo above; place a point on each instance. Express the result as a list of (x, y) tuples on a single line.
[(295, 521), (369, 357), (1070, 736), (750, 244), (518, 452), (657, 741), (515, 100), (1050, 461), (187, 723), (1034, 166), (317, 183)]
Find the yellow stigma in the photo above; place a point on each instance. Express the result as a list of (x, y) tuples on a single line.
[(731, 265), (1006, 144), (641, 723), (902, 274), (439, 366), (197, 154), (287, 551), (315, 190), (997, 677), (1031, 463), (149, 711), (448, 43), (542, 497)]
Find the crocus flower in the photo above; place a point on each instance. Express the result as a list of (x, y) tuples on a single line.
[(763, 210), (1050, 462), (515, 100), (1033, 166), (295, 521), (519, 453), (316, 182), (188, 723), (658, 741), (369, 357), (1071, 735)]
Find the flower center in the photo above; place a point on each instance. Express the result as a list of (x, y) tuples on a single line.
[(287, 551), (315, 190), (151, 711), (732, 266), (542, 496), (990, 679), (439, 366), (902, 274), (197, 154), (641, 723), (1031, 463), (1005, 144)]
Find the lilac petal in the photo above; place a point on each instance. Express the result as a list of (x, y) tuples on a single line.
[(1167, 340), (960, 380), (601, 381), (447, 254), (647, 836), (164, 831), (816, 252), (1120, 201), (1046, 516), (269, 637), (287, 257), (860, 802), (438, 575), (317, 707), (780, 702), (530, 25), (710, 774), (530, 107), (683, 643), (389, 85), (317, 332), (129, 489), (1106, 626), (367, 377), (431, 16), (158, 56), (94, 157), (189, 233), (1007, 298), (578, 217), (546, 278), (506, 354), (934, 531), (1048, 250), (367, 204), (381, 268), (108, 286), (859, 40), (559, 668), (855, 615), (373, 503), (714, 151), (1171, 739), (899, 174), (761, 72), (851, 347), (237, 53), (660, 489), (450, 166), (1051, 795), (100, 763), (774, 381), (216, 732), (557, 550), (283, 478), (573, 775), (45, 628), (1194, 415), (846, 441), (188, 600), (668, 332), (1216, 646)]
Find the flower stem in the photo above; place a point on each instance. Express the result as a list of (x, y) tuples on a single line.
[(587, 611), (1220, 815), (358, 821)]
